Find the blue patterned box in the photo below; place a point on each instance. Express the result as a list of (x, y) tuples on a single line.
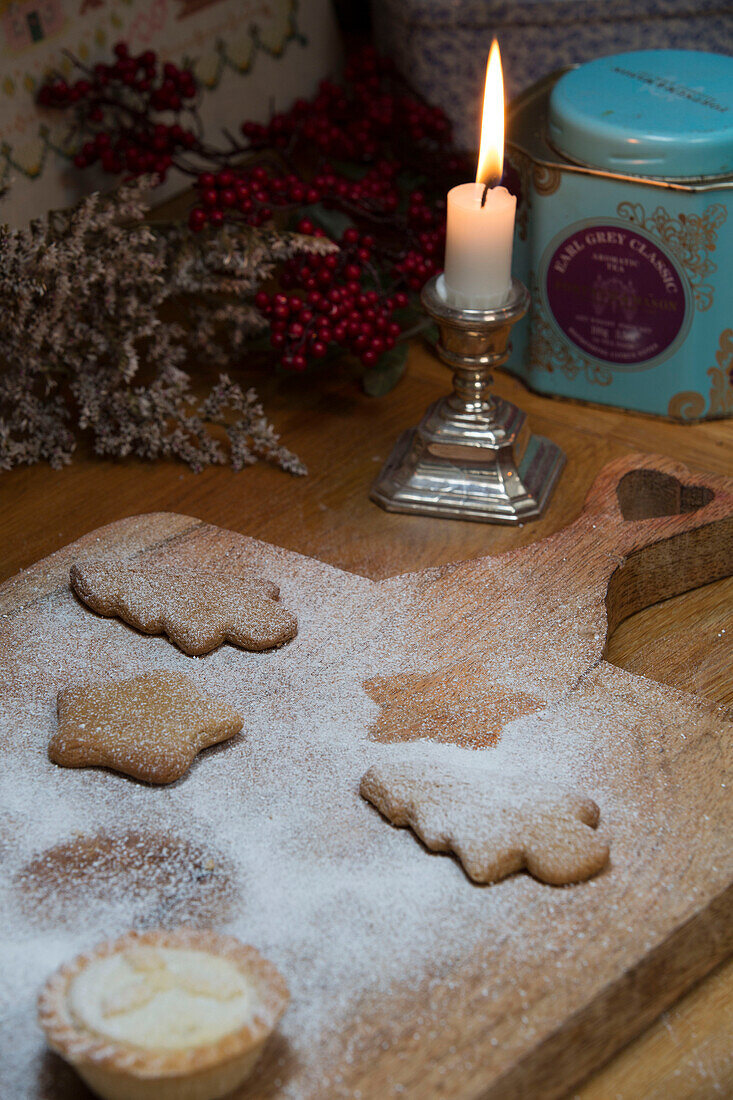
[(441, 46), (624, 232)]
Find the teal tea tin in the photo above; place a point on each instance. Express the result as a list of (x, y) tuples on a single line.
[(624, 233)]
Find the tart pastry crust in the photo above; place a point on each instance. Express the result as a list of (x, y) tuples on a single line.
[(117, 1069)]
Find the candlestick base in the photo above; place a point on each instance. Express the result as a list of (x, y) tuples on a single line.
[(472, 456)]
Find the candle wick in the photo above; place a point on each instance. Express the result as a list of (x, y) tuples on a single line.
[(491, 182)]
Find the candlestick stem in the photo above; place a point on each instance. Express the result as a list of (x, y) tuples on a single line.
[(471, 391), (472, 456)]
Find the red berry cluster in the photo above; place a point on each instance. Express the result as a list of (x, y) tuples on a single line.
[(137, 151), (375, 192), (372, 121), (425, 258), (334, 308), (252, 195), (417, 268), (356, 121), (247, 196), (122, 96)]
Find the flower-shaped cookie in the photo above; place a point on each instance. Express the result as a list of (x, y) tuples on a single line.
[(150, 727), (198, 610), (495, 823)]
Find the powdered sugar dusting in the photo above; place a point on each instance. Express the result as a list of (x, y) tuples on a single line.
[(271, 829)]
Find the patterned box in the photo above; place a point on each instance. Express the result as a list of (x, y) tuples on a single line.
[(624, 232)]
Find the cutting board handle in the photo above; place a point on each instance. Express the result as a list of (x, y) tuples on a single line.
[(647, 497), (669, 530)]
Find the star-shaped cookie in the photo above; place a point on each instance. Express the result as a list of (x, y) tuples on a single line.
[(495, 823), (198, 610), (150, 727)]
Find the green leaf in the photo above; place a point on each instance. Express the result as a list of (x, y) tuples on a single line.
[(415, 322), (385, 375), (349, 169), (333, 221), (411, 181), (409, 316)]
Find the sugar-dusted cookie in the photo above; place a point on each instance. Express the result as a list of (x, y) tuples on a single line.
[(495, 823), (179, 1015), (198, 610), (150, 727)]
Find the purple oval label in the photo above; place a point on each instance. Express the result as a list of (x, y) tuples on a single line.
[(615, 294)]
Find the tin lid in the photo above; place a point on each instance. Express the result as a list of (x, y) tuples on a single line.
[(648, 113)]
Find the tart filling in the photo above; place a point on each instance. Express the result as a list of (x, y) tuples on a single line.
[(162, 998)]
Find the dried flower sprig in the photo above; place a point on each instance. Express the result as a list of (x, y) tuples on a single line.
[(84, 347)]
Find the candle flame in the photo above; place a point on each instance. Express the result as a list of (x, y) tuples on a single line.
[(491, 153)]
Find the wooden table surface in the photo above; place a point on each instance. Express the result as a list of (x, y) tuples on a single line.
[(344, 437)]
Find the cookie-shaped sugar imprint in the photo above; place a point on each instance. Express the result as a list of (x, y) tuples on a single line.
[(197, 609), (495, 823), (150, 727), (142, 872)]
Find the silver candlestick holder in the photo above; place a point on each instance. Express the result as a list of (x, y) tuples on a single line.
[(472, 456)]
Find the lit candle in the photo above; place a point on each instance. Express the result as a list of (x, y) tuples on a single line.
[(480, 232)]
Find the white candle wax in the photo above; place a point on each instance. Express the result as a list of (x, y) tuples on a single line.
[(478, 246)]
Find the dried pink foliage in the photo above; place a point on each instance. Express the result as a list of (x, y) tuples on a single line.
[(84, 346)]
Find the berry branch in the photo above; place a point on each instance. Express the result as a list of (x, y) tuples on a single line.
[(366, 163)]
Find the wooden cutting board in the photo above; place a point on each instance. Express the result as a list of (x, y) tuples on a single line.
[(491, 654)]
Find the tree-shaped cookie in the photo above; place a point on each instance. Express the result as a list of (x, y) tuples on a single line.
[(495, 823), (198, 610), (150, 727)]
